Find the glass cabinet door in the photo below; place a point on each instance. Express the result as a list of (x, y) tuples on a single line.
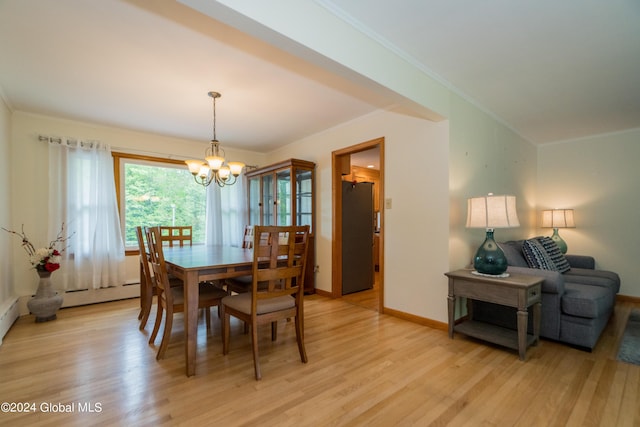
[(268, 200), (304, 197), (254, 200), (283, 202)]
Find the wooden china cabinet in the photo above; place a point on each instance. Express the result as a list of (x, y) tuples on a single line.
[(283, 194)]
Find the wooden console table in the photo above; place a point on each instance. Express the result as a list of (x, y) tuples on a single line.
[(517, 290)]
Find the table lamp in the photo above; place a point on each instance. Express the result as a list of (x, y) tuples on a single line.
[(558, 218), (491, 212)]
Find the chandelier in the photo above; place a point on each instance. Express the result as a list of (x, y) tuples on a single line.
[(214, 169)]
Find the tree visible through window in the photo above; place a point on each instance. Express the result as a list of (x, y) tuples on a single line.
[(154, 191)]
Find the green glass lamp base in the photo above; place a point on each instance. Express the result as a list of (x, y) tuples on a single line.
[(489, 258), (561, 243)]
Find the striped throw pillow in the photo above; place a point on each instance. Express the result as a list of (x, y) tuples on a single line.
[(536, 255), (554, 252)]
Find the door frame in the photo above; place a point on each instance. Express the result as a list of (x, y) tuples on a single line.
[(337, 158)]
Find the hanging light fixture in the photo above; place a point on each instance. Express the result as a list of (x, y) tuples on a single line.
[(214, 169)]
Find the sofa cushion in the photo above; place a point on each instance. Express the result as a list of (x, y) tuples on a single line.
[(554, 252), (513, 251), (536, 255), (604, 278), (586, 300)]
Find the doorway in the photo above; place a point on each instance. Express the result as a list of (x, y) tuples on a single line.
[(363, 162)]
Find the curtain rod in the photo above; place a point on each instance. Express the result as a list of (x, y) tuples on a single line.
[(59, 140), (78, 143)]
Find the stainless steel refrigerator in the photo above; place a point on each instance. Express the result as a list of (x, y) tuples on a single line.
[(357, 236)]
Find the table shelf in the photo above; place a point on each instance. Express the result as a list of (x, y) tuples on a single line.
[(492, 333)]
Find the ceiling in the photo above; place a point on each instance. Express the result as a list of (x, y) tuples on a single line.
[(549, 70)]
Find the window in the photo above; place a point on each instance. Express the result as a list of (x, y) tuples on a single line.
[(155, 191)]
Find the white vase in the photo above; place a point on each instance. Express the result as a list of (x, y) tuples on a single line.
[(46, 302)]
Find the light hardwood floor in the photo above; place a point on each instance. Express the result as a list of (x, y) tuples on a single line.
[(369, 298), (365, 369)]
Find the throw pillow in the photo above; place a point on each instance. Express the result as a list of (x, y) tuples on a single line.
[(554, 252), (536, 255)]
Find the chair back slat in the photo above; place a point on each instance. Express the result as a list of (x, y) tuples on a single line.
[(247, 240), (146, 282), (182, 234), (144, 258), (160, 275)]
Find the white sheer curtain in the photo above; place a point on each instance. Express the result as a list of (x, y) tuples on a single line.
[(226, 213), (82, 195)]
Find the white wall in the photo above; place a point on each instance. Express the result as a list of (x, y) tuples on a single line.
[(416, 175), (7, 241), (599, 178)]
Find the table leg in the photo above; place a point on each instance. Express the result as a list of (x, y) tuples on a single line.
[(451, 304), (191, 295), (523, 319), (536, 322)]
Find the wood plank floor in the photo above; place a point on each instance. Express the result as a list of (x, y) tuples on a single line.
[(364, 369), (369, 298)]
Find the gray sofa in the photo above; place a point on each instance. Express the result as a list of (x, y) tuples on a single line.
[(576, 305)]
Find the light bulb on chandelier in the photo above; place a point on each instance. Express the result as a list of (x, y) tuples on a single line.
[(214, 169)]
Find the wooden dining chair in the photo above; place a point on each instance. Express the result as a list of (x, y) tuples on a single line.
[(180, 234), (279, 255), (171, 298), (147, 286)]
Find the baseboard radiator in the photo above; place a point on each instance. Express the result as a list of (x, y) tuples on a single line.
[(9, 313)]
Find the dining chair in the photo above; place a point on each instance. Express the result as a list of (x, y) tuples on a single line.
[(279, 254), (147, 286), (171, 298), (182, 234)]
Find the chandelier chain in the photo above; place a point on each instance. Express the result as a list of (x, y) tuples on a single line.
[(214, 95)]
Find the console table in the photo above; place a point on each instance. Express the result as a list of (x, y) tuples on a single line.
[(517, 290)]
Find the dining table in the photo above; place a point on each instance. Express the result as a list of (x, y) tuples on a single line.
[(201, 263)]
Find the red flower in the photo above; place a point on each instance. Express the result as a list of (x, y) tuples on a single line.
[(51, 267)]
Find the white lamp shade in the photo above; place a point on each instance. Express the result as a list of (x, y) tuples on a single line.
[(204, 171), (215, 162), (236, 168), (558, 218), (194, 165), (492, 212), (224, 173)]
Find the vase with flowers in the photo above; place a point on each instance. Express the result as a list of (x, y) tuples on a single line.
[(46, 302)]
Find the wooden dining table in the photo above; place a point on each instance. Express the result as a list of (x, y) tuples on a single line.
[(199, 263)]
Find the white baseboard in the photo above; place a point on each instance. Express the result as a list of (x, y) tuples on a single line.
[(90, 296), (93, 296), (9, 313)]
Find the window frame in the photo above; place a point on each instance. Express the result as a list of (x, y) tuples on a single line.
[(118, 159)]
